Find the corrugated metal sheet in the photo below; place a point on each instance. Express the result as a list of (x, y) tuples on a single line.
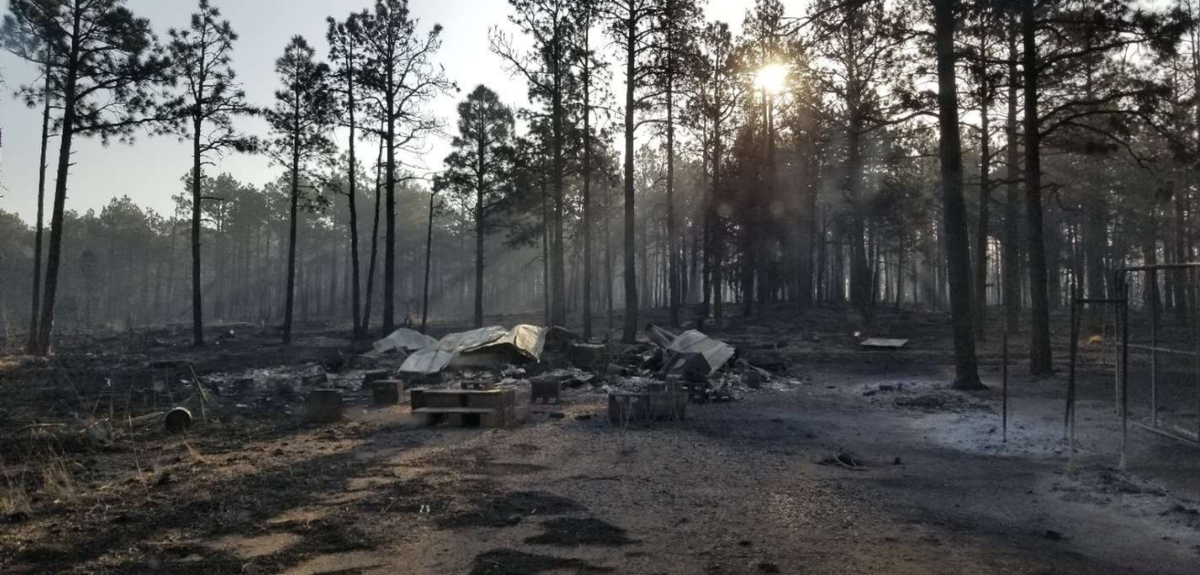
[(716, 353), (404, 339), (485, 346)]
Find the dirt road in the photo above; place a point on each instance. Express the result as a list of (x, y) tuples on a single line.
[(735, 489)]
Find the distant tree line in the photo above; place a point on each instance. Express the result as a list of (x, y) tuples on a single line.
[(946, 153)]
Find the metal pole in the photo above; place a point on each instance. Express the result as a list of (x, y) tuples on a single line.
[(1069, 420), (1195, 343), (1071, 377), (1152, 278), (1116, 357), (428, 258), (1124, 369), (1004, 378)]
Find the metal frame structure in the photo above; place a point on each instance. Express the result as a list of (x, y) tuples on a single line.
[(1121, 369)]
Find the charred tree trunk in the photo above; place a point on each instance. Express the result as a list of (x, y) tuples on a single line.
[(629, 334), (31, 345), (366, 316), (672, 248), (428, 259), (57, 215), (985, 202), (1011, 282), (587, 183), (558, 310), (356, 296), (1039, 345), (958, 258), (291, 264)]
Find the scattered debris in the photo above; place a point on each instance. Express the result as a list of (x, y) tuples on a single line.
[(559, 339), (843, 459), (625, 408), (587, 355), (692, 352)]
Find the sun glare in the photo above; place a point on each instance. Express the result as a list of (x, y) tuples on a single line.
[(771, 78)]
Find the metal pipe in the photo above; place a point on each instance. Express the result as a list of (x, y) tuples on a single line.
[(1071, 378), (1124, 375), (1167, 350), (1159, 431), (1152, 276), (1116, 357), (1195, 343), (1069, 423), (1004, 378)]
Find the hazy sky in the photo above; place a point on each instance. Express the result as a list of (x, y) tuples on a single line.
[(150, 170)]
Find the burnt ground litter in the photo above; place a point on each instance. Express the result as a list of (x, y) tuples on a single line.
[(817, 456)]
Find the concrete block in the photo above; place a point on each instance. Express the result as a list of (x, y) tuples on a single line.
[(491, 399), (646, 407), (314, 380), (324, 405), (587, 355), (545, 390), (387, 392), (373, 376), (500, 418), (440, 399)]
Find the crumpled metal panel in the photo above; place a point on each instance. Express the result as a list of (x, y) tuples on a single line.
[(716, 353), (479, 347), (427, 361), (404, 339)]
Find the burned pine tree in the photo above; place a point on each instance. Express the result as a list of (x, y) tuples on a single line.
[(200, 56), (29, 37), (401, 79), (547, 70), (479, 170), (109, 79), (300, 123), (345, 48)]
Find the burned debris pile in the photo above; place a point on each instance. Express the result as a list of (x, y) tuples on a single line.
[(471, 378)]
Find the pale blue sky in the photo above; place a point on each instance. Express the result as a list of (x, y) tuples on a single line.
[(149, 171)]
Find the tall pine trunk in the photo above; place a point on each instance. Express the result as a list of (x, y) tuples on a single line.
[(958, 260), (197, 198), (672, 248), (985, 204), (629, 334), (31, 345), (356, 296), (479, 232), (1039, 345), (1011, 269), (389, 256), (366, 316), (54, 256), (558, 309), (587, 184), (291, 263), (428, 259)]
